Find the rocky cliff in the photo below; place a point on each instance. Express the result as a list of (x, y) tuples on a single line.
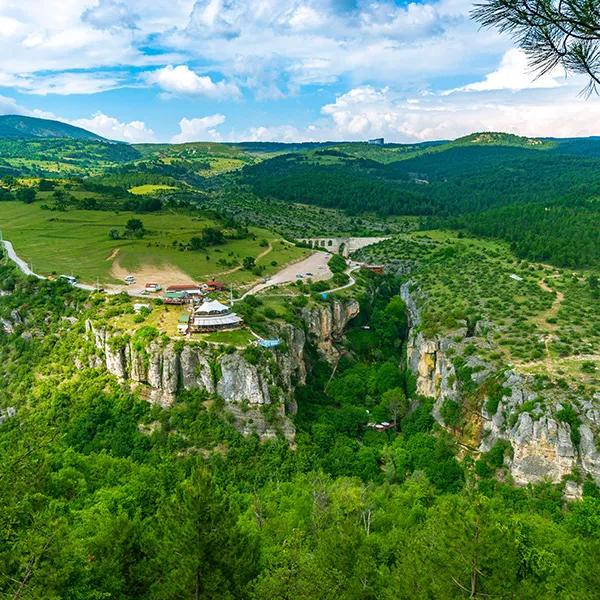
[(258, 388), (542, 444), (251, 389), (326, 324)]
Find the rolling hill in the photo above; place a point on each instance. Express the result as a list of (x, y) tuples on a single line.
[(27, 128)]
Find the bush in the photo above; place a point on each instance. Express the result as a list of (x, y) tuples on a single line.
[(568, 415), (337, 264), (450, 412)]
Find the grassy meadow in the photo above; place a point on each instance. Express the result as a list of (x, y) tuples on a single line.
[(77, 242)]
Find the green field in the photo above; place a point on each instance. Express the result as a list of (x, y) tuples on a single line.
[(77, 242), (140, 190)]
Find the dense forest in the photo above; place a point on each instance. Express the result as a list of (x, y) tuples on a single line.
[(542, 201), (457, 180), (561, 233), (349, 185), (106, 496)]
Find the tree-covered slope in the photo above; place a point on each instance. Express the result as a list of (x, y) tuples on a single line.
[(24, 128), (449, 179)]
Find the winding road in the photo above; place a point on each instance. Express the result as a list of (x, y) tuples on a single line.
[(316, 261), (26, 270)]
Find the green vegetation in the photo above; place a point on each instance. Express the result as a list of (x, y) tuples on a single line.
[(78, 242), (105, 495), (563, 233), (501, 310), (22, 128), (140, 190)]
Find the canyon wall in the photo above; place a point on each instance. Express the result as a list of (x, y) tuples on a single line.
[(257, 387), (542, 445)]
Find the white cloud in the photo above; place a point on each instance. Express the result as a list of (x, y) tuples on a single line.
[(199, 129), (279, 133), (134, 132), (182, 80), (515, 74), (366, 112), (270, 46), (62, 83), (110, 14), (59, 35), (316, 41)]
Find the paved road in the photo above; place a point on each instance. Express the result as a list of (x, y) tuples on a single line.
[(21, 264), (350, 283)]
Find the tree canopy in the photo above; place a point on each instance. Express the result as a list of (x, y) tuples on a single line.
[(551, 32)]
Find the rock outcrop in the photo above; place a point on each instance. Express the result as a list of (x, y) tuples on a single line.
[(163, 368), (435, 374), (542, 445), (258, 395), (326, 324)]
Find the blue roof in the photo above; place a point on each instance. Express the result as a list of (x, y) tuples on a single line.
[(269, 343)]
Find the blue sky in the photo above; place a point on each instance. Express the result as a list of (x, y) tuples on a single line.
[(184, 70)]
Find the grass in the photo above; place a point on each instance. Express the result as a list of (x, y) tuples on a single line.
[(77, 242), (235, 337), (165, 319), (141, 190)]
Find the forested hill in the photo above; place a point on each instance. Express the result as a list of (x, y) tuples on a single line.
[(27, 128), (441, 180), (539, 195)]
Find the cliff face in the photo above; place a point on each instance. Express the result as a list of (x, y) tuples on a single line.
[(542, 445), (162, 369), (250, 391), (326, 324)]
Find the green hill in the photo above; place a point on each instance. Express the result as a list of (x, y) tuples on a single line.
[(27, 128), (493, 138)]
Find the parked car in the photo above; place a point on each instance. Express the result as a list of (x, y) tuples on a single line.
[(72, 280)]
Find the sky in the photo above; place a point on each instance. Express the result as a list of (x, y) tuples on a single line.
[(277, 70)]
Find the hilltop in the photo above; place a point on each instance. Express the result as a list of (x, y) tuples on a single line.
[(27, 128), (493, 138)]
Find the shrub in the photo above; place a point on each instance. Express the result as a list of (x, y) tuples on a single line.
[(568, 415), (450, 412), (337, 264)]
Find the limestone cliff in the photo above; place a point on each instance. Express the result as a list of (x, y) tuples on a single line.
[(327, 322), (252, 387), (162, 368), (542, 445)]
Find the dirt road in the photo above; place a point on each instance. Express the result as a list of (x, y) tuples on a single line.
[(316, 264)]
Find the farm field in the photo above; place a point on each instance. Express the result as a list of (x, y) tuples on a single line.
[(141, 190), (77, 242)]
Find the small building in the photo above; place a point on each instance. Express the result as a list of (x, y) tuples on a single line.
[(213, 316), (153, 287), (191, 289), (175, 297), (214, 286), (379, 269), (183, 324)]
